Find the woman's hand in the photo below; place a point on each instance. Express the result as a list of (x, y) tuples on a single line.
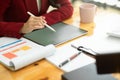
[(33, 23)]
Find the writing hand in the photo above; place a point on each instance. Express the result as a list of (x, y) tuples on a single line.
[(33, 23)]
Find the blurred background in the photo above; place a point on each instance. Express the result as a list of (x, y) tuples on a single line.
[(102, 3)]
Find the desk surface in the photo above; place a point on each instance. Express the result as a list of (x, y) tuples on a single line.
[(43, 70)]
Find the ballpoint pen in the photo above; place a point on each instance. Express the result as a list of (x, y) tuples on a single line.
[(44, 23), (69, 59), (86, 51)]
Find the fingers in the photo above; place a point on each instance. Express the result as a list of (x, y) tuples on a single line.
[(38, 23), (33, 23)]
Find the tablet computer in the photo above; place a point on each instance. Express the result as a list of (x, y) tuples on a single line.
[(64, 32)]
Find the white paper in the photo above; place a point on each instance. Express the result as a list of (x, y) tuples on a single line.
[(99, 44), (32, 56), (66, 51), (17, 53), (4, 40)]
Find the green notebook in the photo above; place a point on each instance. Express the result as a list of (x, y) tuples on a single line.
[(64, 32)]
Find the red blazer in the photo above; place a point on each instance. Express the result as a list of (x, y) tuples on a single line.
[(13, 14)]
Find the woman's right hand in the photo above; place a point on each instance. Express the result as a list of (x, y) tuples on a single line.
[(33, 23)]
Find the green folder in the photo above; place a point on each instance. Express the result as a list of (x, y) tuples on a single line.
[(64, 32)]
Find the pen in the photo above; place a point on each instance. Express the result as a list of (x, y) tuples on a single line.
[(69, 59), (86, 51), (44, 24)]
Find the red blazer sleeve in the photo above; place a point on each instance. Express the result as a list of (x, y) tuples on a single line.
[(63, 12), (9, 29)]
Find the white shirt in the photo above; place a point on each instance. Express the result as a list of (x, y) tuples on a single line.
[(38, 4)]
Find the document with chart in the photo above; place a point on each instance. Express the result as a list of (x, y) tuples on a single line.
[(18, 53)]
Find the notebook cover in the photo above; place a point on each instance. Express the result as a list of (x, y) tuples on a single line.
[(64, 32), (86, 73)]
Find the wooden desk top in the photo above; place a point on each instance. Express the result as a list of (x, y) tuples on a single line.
[(43, 70)]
